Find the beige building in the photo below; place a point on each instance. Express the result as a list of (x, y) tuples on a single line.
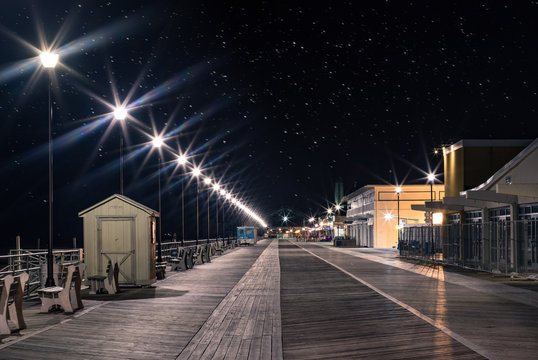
[(372, 215)]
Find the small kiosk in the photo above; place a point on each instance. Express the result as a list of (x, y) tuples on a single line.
[(123, 230), (247, 235)]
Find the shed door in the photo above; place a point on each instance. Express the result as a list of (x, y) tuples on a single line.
[(117, 242)]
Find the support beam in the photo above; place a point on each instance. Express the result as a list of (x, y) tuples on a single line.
[(457, 200), (491, 196), (436, 207)]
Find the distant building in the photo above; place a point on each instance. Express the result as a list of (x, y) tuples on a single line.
[(372, 215)]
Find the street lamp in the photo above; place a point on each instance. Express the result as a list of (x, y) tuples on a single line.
[(398, 191), (225, 195), (216, 188), (431, 179), (196, 172), (182, 160), (157, 143), (207, 181), (120, 113), (49, 61)]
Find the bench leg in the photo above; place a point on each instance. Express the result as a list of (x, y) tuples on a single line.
[(64, 301), (46, 304), (15, 315), (4, 327)]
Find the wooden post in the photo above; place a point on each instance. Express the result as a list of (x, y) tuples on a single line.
[(18, 247)]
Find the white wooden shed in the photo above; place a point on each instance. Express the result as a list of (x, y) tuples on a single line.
[(119, 228)]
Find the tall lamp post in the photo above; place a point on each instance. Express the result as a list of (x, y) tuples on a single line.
[(196, 173), (49, 61), (207, 181), (216, 188), (182, 160), (157, 143), (431, 179), (398, 191), (120, 113)]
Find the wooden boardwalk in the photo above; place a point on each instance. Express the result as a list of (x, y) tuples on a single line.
[(293, 301), (141, 323), (246, 324), (491, 318), (328, 315)]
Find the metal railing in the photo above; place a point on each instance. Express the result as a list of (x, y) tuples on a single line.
[(31, 261), (167, 247), (497, 246)]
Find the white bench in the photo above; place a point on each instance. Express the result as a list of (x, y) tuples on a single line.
[(66, 296), (217, 248), (12, 289), (180, 262), (202, 254)]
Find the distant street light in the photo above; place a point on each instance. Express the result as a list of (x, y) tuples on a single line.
[(207, 181), (431, 179), (49, 61), (182, 160), (196, 172), (216, 188), (157, 143), (398, 191), (311, 220), (120, 113)]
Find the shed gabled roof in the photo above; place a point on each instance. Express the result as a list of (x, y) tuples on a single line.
[(489, 183), (125, 199)]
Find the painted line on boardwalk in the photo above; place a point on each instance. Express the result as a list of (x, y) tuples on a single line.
[(37, 332), (478, 349)]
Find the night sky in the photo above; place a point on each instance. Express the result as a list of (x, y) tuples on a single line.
[(279, 100)]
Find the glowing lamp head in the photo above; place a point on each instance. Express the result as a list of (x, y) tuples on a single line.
[(216, 187), (338, 206), (388, 217), (207, 181), (234, 201), (120, 113), (48, 59), (223, 192), (196, 172), (437, 218), (181, 159), (311, 220), (228, 196), (285, 218), (157, 142), (398, 189), (431, 177), (329, 211)]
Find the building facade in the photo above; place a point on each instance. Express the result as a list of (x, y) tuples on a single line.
[(373, 212), (492, 225)]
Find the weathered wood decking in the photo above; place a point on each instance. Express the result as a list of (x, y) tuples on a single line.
[(140, 323), (291, 302), (246, 324), (328, 315)]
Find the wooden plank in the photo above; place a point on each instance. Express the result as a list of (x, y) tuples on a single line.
[(136, 323)]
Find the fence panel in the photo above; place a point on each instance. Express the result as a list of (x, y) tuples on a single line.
[(496, 246)]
